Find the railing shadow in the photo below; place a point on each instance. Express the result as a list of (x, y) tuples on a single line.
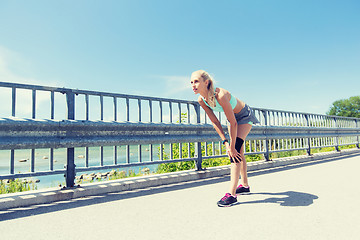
[(290, 199), (103, 198)]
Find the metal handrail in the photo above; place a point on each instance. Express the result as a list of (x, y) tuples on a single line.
[(278, 130), (29, 133)]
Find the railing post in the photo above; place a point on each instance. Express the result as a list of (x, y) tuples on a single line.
[(267, 153), (33, 104), (336, 138), (357, 126), (198, 161), (13, 102), (70, 101), (308, 150), (70, 163)]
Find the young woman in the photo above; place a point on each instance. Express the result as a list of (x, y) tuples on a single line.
[(240, 119)]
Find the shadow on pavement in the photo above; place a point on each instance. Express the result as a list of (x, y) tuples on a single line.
[(21, 212), (289, 199)]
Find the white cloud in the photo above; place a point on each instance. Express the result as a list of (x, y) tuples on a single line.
[(176, 84), (9, 61)]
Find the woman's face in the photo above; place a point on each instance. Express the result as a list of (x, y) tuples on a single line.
[(198, 84)]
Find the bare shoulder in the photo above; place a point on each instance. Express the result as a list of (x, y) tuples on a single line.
[(200, 99), (222, 94)]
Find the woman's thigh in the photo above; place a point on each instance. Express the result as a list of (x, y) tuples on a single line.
[(242, 132)]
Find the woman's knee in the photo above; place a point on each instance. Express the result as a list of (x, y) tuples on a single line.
[(239, 144)]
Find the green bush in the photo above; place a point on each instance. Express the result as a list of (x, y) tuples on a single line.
[(187, 165), (213, 162), (17, 185)]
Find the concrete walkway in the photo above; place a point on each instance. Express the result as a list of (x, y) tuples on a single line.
[(318, 200)]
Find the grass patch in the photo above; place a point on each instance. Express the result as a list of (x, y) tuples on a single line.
[(17, 185)]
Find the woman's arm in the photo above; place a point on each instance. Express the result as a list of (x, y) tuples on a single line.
[(217, 125), (214, 120), (223, 98)]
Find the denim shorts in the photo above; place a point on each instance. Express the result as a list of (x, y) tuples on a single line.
[(246, 116)]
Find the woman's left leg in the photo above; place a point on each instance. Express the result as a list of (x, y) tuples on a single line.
[(243, 131), (240, 169)]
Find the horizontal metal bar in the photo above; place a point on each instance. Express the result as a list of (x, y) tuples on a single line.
[(226, 156), (303, 113), (107, 94), (287, 150), (92, 93), (27, 127), (84, 169), (215, 156), (347, 144), (30, 133), (31, 174), (31, 87)]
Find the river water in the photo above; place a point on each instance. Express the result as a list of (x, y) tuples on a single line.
[(42, 161)]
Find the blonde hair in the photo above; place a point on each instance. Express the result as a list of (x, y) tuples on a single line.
[(211, 91)]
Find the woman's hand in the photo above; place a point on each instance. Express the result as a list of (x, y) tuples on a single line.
[(232, 153)]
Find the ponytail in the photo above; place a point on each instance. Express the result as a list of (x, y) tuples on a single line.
[(211, 91)]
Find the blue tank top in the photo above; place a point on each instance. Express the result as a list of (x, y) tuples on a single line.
[(218, 107)]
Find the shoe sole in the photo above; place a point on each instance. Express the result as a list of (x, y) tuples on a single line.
[(229, 205), (243, 193)]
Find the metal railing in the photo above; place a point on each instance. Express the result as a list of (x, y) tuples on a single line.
[(140, 131)]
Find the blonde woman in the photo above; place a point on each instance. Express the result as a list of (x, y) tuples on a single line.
[(240, 119)]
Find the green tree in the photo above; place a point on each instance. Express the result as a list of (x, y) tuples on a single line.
[(346, 107)]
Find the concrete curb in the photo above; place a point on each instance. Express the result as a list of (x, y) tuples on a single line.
[(23, 199)]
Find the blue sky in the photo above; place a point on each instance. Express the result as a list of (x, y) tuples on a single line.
[(279, 54)]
